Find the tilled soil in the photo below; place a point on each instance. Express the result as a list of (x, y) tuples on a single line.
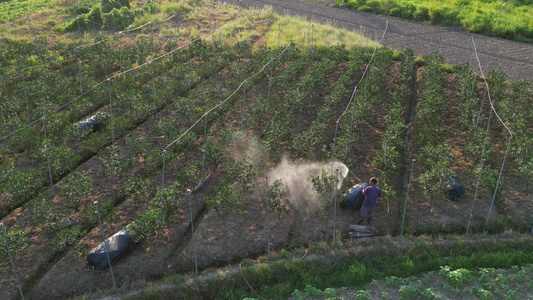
[(455, 45)]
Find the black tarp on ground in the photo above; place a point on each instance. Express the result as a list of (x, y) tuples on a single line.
[(355, 198), (117, 245), (457, 189), (91, 122)]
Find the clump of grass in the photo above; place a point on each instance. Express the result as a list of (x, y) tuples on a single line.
[(304, 34)]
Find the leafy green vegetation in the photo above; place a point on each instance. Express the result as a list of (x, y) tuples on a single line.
[(11, 10), (287, 108), (506, 19), (388, 271)]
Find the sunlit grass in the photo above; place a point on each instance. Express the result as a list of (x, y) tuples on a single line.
[(508, 19), (12, 10), (304, 34)]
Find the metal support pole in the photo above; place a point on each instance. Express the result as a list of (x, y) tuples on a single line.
[(79, 70), (153, 87), (279, 31), (473, 86), (162, 187), (407, 196), (334, 144), (270, 80), (480, 109), (47, 154), (111, 111), (106, 244), (486, 136), (188, 69), (366, 81), (35, 37), (120, 60), (353, 109), (12, 261), (312, 35), (192, 233), (268, 217), (475, 195), (243, 101), (26, 97), (335, 206), (114, 26), (205, 140), (499, 178)]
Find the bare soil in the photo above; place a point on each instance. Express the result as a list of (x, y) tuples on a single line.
[(221, 241)]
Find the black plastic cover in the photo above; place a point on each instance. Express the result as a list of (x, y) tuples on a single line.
[(355, 198), (89, 122), (117, 245), (457, 190)]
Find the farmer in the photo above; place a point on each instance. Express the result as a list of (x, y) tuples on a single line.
[(372, 193)]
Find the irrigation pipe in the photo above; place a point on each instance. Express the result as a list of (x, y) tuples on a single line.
[(225, 100), (249, 285)]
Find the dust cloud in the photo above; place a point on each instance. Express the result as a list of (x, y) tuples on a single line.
[(294, 175), (295, 180)]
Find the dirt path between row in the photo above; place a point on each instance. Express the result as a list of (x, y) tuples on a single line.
[(514, 58)]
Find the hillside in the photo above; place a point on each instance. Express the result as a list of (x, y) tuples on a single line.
[(112, 113)]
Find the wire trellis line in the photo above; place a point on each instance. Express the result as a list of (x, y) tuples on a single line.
[(364, 73), (105, 81), (353, 94), (488, 90), (225, 100)]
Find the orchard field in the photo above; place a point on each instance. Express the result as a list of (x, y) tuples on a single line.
[(246, 101)]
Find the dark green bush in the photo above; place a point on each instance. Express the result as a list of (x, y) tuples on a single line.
[(77, 24), (109, 5), (80, 8), (118, 19)]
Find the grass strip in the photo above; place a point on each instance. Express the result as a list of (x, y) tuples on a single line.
[(347, 268), (505, 19)]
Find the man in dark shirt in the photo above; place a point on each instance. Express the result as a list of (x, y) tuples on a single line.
[(372, 193)]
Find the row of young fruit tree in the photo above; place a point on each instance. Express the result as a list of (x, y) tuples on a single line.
[(134, 123)]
